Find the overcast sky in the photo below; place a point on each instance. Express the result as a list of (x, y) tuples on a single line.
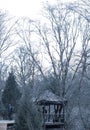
[(29, 8)]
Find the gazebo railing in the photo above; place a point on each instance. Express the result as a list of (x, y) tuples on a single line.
[(53, 117)]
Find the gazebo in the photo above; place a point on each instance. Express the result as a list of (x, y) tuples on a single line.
[(53, 110)]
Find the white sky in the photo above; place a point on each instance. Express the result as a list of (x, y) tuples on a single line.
[(29, 8)]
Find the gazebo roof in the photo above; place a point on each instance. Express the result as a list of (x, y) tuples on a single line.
[(50, 98)]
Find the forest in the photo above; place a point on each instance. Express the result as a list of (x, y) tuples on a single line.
[(51, 53)]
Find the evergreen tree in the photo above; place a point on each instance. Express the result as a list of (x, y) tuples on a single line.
[(11, 93), (27, 117)]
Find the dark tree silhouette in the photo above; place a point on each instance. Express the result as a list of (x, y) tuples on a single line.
[(11, 94), (27, 117)]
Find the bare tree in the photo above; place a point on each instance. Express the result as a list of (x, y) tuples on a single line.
[(7, 25), (28, 37), (6, 39), (24, 67), (59, 36), (58, 39), (82, 9)]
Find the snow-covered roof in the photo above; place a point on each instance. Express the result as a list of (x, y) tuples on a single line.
[(50, 98), (6, 121)]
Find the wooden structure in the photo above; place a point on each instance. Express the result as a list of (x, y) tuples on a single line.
[(7, 125), (53, 110)]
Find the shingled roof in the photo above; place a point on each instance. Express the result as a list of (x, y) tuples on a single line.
[(50, 98)]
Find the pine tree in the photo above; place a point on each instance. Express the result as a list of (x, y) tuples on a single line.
[(27, 117), (11, 93)]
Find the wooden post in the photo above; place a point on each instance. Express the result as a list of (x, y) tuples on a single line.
[(43, 114), (49, 113)]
